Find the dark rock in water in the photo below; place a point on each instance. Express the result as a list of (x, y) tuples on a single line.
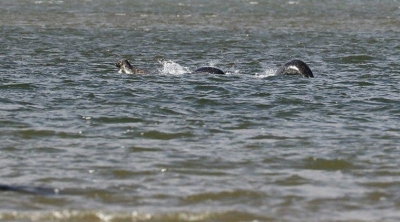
[(210, 70), (295, 67)]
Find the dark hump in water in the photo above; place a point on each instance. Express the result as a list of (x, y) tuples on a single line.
[(210, 70), (295, 67)]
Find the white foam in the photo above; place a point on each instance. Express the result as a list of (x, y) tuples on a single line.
[(172, 68), (234, 72), (49, 2), (293, 2), (213, 63), (266, 73)]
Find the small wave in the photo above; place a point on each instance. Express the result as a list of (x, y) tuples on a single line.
[(49, 2), (326, 164), (213, 63), (18, 86), (158, 135), (172, 68), (356, 58), (266, 73)]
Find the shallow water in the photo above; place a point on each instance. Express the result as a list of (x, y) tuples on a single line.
[(86, 143)]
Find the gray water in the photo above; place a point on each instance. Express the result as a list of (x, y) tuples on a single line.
[(86, 143)]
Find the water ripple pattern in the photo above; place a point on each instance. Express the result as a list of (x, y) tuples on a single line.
[(82, 142)]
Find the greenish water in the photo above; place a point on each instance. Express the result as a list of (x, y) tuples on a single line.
[(82, 142)]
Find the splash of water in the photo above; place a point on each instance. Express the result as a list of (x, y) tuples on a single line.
[(266, 73), (173, 68), (213, 63)]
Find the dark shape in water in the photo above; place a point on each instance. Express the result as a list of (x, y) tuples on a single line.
[(29, 189), (295, 67), (210, 70), (125, 67)]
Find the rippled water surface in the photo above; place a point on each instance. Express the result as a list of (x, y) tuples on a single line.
[(82, 142)]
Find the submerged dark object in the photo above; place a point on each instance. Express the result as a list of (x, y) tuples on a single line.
[(125, 67), (29, 189), (210, 70), (295, 67)]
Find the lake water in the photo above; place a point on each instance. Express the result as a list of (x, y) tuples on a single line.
[(86, 143)]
